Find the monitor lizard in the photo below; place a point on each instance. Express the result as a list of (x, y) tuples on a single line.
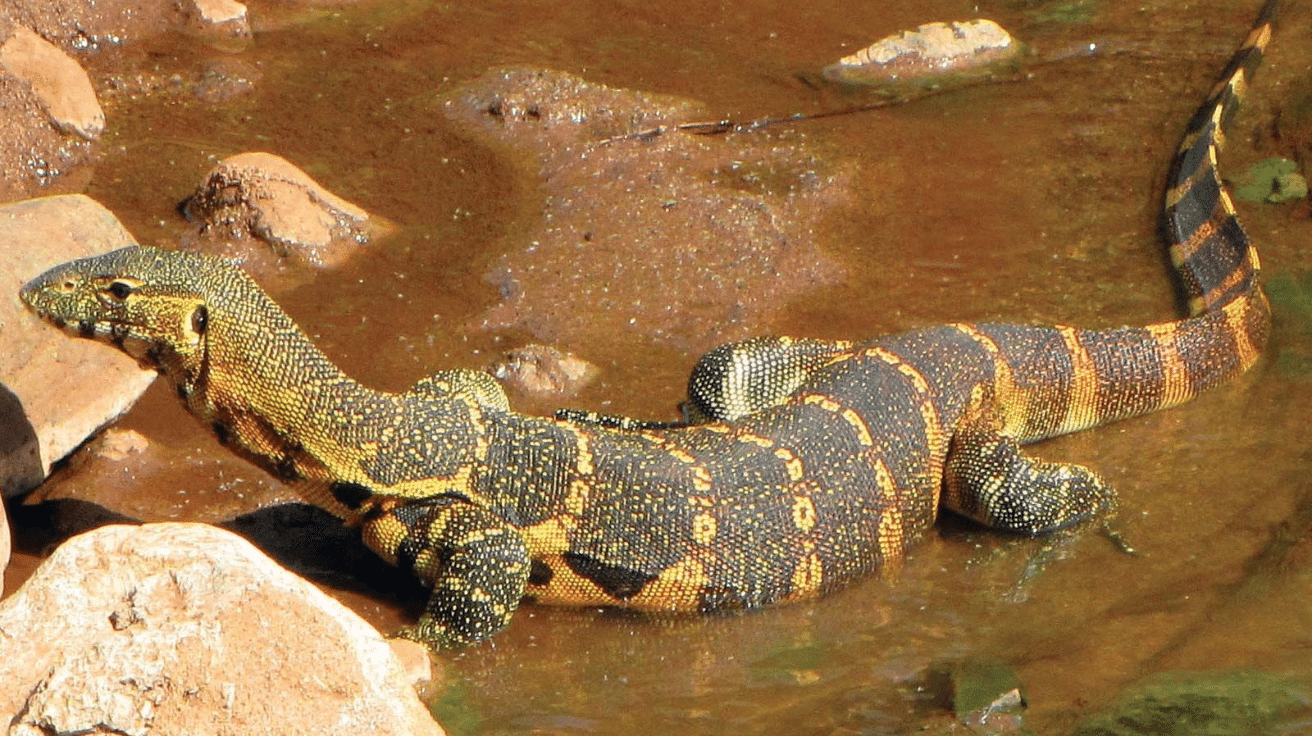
[(813, 463)]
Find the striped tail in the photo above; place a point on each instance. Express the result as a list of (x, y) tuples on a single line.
[(1211, 252), (1064, 379)]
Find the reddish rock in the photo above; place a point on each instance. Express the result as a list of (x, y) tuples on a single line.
[(60, 84), (647, 233), (184, 629), (42, 419), (78, 26), (267, 197), (220, 17), (42, 91)]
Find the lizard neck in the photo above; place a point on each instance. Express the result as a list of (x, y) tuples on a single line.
[(272, 396)]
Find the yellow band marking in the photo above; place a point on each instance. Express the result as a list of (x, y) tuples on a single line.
[(755, 439), (680, 454), (704, 528), (906, 369), (1013, 404), (792, 463), (808, 575), (576, 501), (859, 425), (549, 537), (851, 417), (701, 478), (892, 535), (456, 482), (884, 481), (1176, 387), (1237, 275), (677, 588), (1236, 317), (928, 411), (804, 514), (822, 401), (1082, 402), (1180, 252)]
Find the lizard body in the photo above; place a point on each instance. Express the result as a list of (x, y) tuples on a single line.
[(814, 463)]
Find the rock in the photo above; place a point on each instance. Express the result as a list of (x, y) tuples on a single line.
[(183, 629), (42, 420), (930, 53), (647, 235), (35, 158), (1272, 180), (541, 369), (986, 696), (414, 660), (91, 25), (6, 545), (221, 17), (59, 82), (265, 196), (1212, 702)]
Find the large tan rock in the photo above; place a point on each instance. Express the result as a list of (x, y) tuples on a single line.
[(188, 629), (54, 391), (5, 544), (59, 82)]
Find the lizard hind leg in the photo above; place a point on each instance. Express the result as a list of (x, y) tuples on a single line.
[(988, 479), (476, 564), (740, 378)]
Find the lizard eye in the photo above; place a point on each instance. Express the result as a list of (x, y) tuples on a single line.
[(200, 320), (120, 290)]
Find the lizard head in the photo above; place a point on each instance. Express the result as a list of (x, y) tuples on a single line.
[(145, 301)]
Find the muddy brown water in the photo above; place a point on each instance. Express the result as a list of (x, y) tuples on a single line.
[(1028, 201)]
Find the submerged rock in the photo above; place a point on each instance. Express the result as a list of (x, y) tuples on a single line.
[(647, 233), (185, 628), (267, 197), (935, 52), (42, 420), (542, 369), (1187, 703)]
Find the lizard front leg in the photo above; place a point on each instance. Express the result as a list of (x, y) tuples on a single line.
[(476, 564)]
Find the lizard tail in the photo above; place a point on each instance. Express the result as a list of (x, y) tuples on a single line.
[(1210, 250)]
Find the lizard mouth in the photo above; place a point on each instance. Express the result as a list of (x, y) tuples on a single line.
[(114, 332), (103, 330)]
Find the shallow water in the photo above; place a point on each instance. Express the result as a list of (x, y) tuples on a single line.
[(1028, 201)]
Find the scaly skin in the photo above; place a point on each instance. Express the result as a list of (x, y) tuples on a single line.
[(815, 464)]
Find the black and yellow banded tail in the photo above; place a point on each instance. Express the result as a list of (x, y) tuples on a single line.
[(1210, 250), (1065, 379)]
